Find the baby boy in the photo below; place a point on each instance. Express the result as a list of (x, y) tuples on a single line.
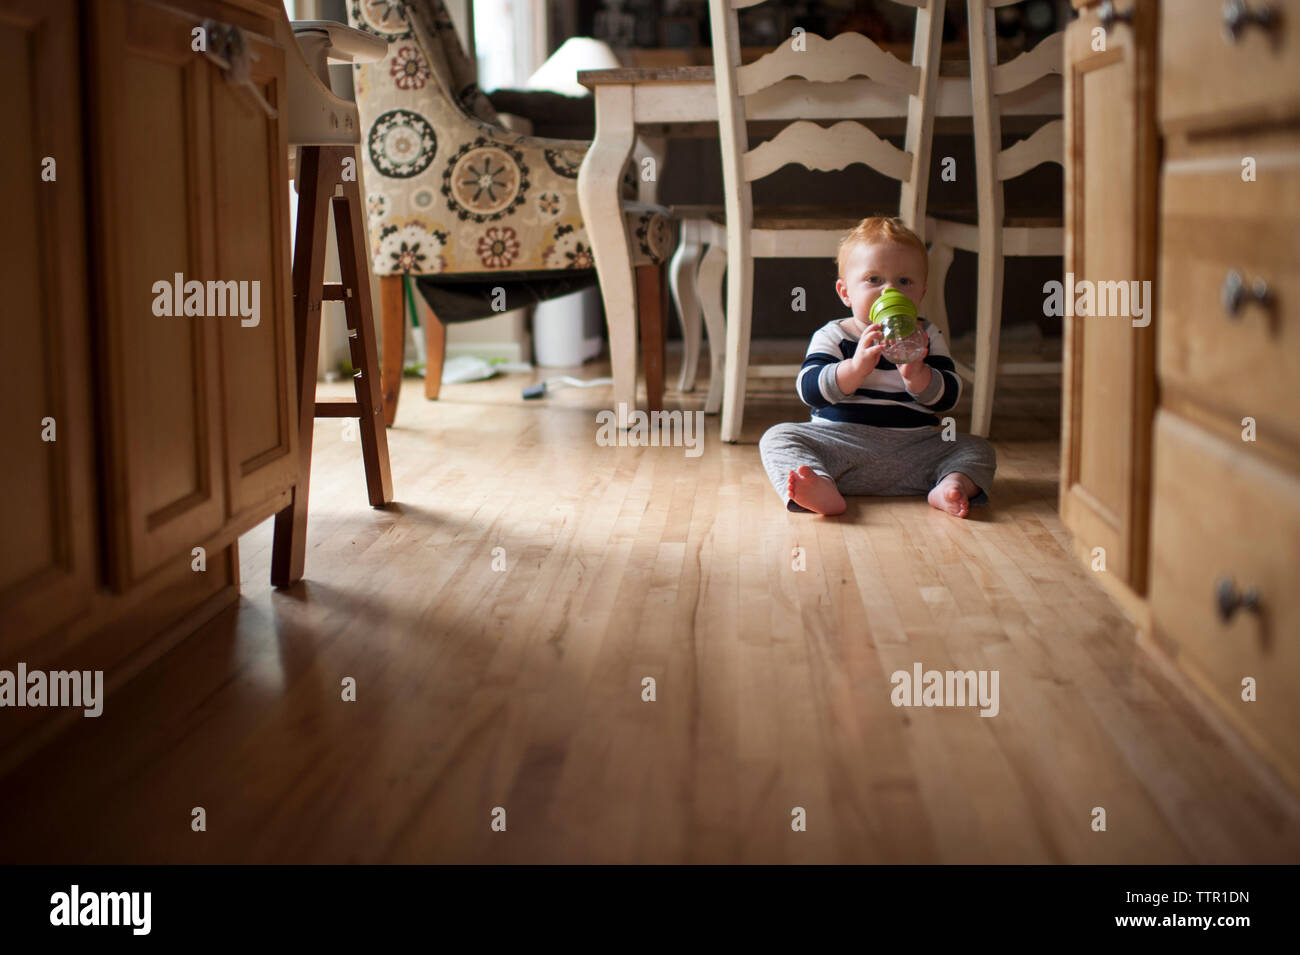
[(875, 428)]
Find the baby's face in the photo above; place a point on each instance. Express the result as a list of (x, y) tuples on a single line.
[(873, 268)]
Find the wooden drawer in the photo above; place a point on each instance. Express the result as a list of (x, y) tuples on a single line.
[(1222, 514), (1213, 224), (1208, 80)]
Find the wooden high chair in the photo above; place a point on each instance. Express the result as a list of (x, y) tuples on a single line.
[(326, 131)]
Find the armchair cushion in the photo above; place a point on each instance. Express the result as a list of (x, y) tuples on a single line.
[(552, 114), (461, 298)]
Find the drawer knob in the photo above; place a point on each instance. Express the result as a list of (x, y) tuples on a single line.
[(1237, 15), (1229, 600), (1110, 16), (1235, 292)]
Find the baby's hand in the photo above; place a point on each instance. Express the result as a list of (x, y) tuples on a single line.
[(913, 368), (916, 374), (869, 349)]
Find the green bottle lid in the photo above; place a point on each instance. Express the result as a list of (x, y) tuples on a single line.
[(896, 312)]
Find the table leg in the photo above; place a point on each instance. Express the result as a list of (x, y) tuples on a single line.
[(602, 213), (651, 306)]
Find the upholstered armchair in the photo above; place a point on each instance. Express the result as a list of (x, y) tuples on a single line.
[(458, 201)]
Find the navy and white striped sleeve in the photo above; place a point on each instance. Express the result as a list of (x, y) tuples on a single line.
[(945, 384), (816, 384)]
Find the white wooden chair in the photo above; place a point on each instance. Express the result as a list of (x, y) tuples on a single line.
[(994, 236), (695, 279), (826, 66)]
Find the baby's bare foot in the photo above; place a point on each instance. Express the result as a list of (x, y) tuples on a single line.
[(809, 489), (953, 494)]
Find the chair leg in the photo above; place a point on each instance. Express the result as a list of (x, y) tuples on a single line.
[(650, 311), (709, 281), (936, 303), (317, 173), (435, 348), (989, 201), (740, 300), (988, 324), (682, 278), (392, 311), (355, 274)]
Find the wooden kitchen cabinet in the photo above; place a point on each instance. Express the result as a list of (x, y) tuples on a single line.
[(1110, 181), (258, 371), (189, 168), (173, 432), (1223, 562), (47, 559), (152, 183), (1190, 463)]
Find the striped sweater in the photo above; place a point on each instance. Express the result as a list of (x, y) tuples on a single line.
[(883, 400)]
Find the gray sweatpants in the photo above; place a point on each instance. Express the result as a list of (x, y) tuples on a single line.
[(875, 462)]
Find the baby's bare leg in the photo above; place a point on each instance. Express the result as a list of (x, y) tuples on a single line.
[(796, 458)]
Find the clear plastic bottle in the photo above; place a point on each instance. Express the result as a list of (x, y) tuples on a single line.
[(895, 313), (907, 349)]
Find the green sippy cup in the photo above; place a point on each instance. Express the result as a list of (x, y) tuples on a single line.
[(895, 313)]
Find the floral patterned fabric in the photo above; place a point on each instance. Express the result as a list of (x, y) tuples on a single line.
[(451, 190)]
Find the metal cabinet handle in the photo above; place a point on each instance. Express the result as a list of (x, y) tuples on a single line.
[(229, 49), (1110, 16), (1234, 293), (1229, 600), (1237, 15)]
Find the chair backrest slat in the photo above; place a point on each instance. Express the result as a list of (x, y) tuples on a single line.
[(827, 67), (990, 81), (827, 149), (1047, 144), (1046, 58), (827, 61)]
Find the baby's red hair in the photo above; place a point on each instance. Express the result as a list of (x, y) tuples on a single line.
[(875, 230)]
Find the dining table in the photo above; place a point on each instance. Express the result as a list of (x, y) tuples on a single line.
[(655, 103)]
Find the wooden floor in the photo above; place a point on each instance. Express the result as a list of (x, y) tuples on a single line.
[(522, 688)]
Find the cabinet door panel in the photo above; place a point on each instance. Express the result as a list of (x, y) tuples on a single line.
[(1110, 215), (155, 222), (250, 169), (46, 494)]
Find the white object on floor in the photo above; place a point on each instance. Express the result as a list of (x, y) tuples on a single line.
[(465, 368), (553, 383), (540, 389), (566, 330)]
